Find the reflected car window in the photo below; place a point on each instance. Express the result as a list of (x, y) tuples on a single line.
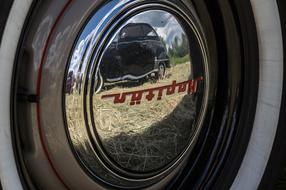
[(131, 31), (139, 30), (152, 34), (148, 30)]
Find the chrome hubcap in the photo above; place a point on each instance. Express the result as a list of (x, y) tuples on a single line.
[(125, 126)]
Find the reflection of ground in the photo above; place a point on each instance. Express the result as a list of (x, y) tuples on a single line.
[(146, 136), (141, 137), (143, 143)]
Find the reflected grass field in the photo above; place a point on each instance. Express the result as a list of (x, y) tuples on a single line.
[(147, 136), (143, 137)]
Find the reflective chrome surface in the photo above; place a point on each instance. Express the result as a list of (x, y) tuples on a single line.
[(135, 92), (144, 111)]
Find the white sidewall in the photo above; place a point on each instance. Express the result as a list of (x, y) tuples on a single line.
[(8, 171), (269, 96)]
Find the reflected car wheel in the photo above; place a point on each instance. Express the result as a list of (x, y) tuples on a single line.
[(161, 71), (99, 83), (211, 124)]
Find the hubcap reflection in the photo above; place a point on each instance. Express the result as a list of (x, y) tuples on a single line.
[(135, 94)]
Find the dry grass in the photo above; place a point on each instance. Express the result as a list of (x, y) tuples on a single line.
[(146, 136), (140, 138)]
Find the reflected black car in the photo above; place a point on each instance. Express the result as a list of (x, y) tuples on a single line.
[(136, 52)]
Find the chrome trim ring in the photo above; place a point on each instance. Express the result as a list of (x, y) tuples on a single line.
[(88, 58)]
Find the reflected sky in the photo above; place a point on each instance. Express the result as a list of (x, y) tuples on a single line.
[(165, 24)]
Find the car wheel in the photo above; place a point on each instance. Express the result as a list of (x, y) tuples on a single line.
[(99, 84), (215, 124), (161, 71)]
